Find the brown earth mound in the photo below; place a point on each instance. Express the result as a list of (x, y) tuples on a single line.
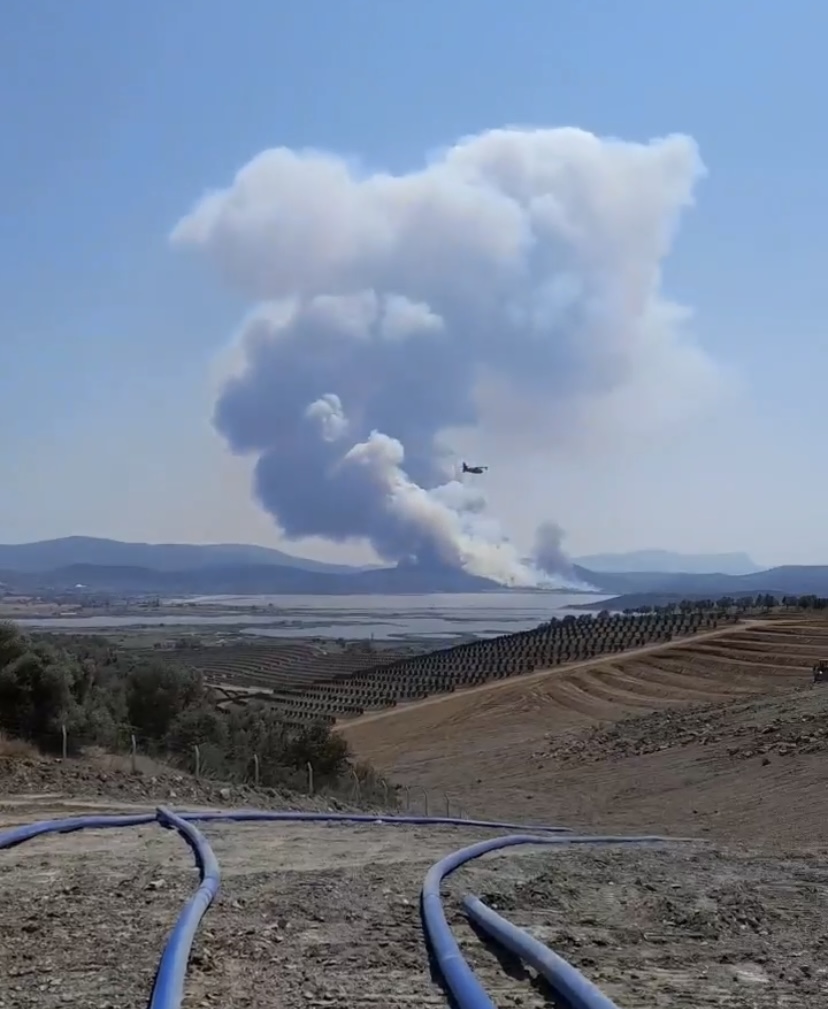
[(782, 726), (113, 778), (571, 746)]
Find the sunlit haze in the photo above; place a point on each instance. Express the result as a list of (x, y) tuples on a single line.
[(270, 272)]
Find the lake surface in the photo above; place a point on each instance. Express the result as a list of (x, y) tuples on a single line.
[(384, 617)]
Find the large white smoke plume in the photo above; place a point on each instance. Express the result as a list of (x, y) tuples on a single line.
[(524, 261)]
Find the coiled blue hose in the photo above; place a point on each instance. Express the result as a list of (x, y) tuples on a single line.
[(168, 986)]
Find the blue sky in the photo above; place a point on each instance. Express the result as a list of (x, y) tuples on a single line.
[(118, 117)]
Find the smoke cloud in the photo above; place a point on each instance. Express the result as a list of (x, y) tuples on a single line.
[(519, 266), (549, 553)]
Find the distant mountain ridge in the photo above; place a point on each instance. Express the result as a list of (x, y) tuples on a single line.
[(242, 580), (789, 579), (113, 566), (46, 555), (670, 562), (109, 566)]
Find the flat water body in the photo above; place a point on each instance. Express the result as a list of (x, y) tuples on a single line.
[(384, 617)]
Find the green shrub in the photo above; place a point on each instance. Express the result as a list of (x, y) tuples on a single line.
[(156, 694), (103, 695)]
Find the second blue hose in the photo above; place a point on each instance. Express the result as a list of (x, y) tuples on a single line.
[(576, 990), (465, 987)]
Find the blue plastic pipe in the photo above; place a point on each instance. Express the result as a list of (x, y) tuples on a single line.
[(168, 986), (17, 835), (167, 990), (263, 816), (468, 992), (569, 983)]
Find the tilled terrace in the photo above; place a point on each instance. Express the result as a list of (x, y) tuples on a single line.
[(474, 664)]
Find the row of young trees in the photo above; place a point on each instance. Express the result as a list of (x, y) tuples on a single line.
[(103, 695), (722, 606), (725, 604)]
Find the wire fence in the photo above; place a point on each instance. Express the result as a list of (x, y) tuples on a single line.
[(361, 785)]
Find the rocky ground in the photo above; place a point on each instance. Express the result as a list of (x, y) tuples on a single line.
[(327, 916), (766, 726), (158, 785), (317, 915)]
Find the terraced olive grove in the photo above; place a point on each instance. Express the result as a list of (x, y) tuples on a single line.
[(280, 665), (499, 746), (326, 689)]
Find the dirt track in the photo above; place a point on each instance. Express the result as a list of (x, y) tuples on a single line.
[(328, 916)]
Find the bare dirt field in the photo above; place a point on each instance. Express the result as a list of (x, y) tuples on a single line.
[(317, 915), (497, 748), (721, 739)]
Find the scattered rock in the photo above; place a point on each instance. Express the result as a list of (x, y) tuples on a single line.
[(781, 726)]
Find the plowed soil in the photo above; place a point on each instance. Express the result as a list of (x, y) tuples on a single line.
[(499, 748)]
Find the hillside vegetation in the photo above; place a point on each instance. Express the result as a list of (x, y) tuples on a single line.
[(332, 688), (693, 721), (475, 719), (81, 693)]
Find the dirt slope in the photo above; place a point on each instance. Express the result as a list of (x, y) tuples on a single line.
[(489, 749)]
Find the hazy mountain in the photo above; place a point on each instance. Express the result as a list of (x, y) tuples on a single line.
[(271, 579), (184, 569), (46, 555), (249, 579), (786, 580), (670, 562)]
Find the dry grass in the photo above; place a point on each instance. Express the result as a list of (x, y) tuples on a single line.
[(16, 749)]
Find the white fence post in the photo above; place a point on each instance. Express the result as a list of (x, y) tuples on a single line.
[(197, 753), (134, 751), (256, 769), (64, 742), (310, 778)]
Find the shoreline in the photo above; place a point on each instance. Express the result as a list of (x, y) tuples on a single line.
[(422, 617)]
